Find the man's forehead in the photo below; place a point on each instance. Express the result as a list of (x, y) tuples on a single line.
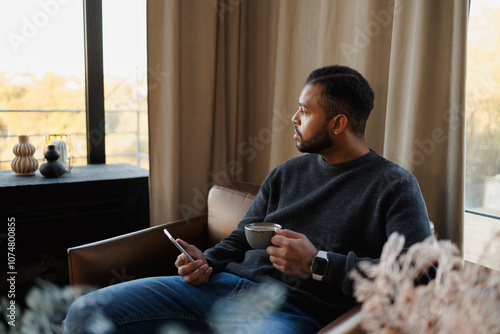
[(309, 95)]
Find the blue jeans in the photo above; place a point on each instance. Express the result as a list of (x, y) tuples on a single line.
[(225, 304)]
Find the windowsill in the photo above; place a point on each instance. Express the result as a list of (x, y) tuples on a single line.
[(478, 237), (94, 172)]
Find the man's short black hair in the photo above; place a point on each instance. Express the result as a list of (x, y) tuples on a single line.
[(345, 91)]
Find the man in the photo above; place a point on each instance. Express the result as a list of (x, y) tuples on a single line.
[(337, 206)]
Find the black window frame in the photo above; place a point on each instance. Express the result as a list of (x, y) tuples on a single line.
[(94, 81)]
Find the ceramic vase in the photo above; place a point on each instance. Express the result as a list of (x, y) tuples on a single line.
[(63, 144), (24, 163), (52, 167)]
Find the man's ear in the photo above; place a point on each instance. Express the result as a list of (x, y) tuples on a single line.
[(339, 124)]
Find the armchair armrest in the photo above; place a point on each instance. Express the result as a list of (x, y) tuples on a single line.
[(134, 255), (347, 323)]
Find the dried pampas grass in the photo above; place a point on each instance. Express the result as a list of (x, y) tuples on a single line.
[(461, 299)]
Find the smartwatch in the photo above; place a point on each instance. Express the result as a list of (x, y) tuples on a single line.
[(319, 266)]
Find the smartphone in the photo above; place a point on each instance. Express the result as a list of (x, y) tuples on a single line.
[(177, 245)]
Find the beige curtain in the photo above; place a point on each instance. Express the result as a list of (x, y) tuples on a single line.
[(225, 76)]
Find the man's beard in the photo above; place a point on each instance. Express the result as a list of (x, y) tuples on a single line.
[(316, 144)]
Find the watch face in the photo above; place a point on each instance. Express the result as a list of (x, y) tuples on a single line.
[(319, 266)]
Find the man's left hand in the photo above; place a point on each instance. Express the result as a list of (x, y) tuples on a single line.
[(292, 253)]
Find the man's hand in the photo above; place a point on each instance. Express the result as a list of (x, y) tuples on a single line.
[(196, 273), (292, 253)]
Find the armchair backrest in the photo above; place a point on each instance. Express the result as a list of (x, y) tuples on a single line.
[(227, 205)]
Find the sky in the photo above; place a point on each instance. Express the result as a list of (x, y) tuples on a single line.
[(47, 35)]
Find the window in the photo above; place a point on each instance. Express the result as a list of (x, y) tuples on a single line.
[(125, 81), (482, 192), (42, 77), (43, 83)]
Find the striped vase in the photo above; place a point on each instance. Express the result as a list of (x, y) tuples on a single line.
[(24, 163)]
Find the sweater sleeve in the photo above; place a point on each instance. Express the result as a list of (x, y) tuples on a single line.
[(339, 267), (405, 211), (233, 247)]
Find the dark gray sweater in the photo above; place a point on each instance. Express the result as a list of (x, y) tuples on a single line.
[(346, 209)]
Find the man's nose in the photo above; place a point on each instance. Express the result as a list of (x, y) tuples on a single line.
[(296, 118)]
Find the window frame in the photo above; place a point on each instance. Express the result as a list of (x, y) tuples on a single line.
[(472, 211), (94, 81), (475, 247)]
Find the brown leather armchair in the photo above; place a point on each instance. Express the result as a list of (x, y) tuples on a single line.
[(148, 252)]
